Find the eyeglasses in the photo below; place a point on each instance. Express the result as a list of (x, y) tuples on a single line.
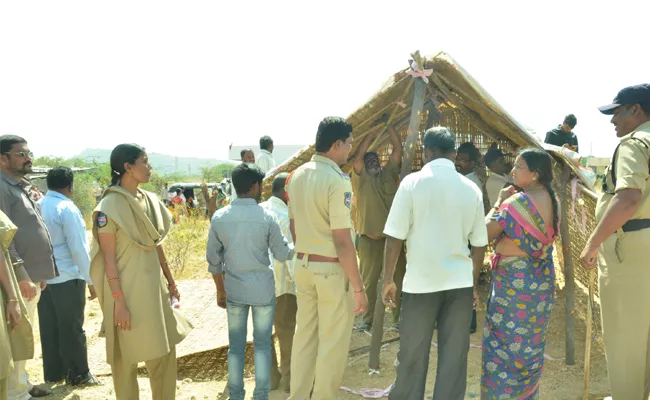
[(23, 154)]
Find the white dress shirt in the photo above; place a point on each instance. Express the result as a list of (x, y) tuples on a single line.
[(494, 185), (282, 270), (437, 211), (265, 161)]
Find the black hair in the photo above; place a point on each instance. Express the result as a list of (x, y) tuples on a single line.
[(540, 162), (369, 155), (646, 108), (244, 151), (266, 142), (59, 178), (244, 176), (278, 182), (178, 192), (7, 142), (331, 130), (571, 120), (469, 149), (123, 153), (439, 138)]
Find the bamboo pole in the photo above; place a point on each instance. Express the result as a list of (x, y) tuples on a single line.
[(569, 289), (407, 166), (392, 116), (588, 339)]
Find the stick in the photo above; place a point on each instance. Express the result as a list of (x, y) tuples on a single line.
[(590, 316)]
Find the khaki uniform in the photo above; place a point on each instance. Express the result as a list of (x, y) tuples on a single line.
[(374, 196), (624, 276), (156, 328), (320, 196), (19, 345)]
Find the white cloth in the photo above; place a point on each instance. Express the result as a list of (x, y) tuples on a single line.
[(474, 178), (265, 161), (282, 270), (18, 380), (164, 194), (494, 185), (438, 212)]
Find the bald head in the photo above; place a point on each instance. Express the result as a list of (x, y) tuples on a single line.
[(277, 187)]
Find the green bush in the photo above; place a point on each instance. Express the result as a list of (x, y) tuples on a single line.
[(83, 194)]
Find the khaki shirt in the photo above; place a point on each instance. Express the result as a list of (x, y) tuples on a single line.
[(320, 197), (631, 170), (374, 196)]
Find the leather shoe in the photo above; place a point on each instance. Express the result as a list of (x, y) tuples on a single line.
[(39, 392)]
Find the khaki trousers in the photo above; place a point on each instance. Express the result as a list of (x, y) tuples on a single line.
[(371, 261), (3, 389), (162, 376), (625, 310), (18, 385), (323, 332), (284, 322)]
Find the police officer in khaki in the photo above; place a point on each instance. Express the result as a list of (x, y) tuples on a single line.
[(374, 189), (328, 285), (620, 247)]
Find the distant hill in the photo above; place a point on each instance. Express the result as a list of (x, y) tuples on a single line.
[(161, 163)]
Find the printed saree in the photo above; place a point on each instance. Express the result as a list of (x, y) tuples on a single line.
[(519, 305)]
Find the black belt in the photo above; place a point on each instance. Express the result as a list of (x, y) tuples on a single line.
[(636, 225)]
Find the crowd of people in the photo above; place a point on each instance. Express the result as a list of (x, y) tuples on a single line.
[(294, 264)]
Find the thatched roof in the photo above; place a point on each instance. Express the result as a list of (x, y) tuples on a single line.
[(453, 96)]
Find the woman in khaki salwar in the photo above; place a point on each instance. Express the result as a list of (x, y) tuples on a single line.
[(140, 324), (16, 337)]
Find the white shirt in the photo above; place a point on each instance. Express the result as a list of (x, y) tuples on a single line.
[(474, 178), (282, 270), (494, 185), (437, 211), (265, 161), (165, 194)]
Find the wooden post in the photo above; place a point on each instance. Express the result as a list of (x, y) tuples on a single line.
[(570, 286), (407, 166)]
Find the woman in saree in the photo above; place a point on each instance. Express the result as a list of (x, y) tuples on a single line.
[(524, 224), (16, 337), (128, 259)]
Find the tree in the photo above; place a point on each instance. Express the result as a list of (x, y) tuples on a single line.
[(216, 173)]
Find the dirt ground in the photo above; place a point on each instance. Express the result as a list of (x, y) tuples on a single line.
[(560, 381)]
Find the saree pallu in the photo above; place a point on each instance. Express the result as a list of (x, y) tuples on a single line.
[(519, 306)]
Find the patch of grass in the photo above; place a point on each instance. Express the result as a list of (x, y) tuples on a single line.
[(185, 247)]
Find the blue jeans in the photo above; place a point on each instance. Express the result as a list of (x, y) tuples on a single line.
[(262, 331)]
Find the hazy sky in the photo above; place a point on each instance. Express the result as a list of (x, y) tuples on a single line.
[(188, 78)]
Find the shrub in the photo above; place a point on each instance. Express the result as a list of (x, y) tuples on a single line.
[(185, 246)]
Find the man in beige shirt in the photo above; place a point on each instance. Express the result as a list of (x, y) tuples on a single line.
[(374, 189), (329, 288), (619, 246)]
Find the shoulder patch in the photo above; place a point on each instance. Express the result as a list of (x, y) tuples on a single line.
[(348, 199), (101, 220)]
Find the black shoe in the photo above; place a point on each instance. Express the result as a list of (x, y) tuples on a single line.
[(39, 392), (84, 380), (363, 327)]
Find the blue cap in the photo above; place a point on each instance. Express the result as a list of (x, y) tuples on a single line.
[(636, 94)]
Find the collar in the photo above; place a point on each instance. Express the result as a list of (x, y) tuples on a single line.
[(442, 163), (644, 127), (326, 160), (244, 201), (10, 179), (264, 151), (53, 193), (277, 202)]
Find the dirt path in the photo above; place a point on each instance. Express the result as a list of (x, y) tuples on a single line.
[(559, 381)]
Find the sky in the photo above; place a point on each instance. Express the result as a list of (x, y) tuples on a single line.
[(189, 78)]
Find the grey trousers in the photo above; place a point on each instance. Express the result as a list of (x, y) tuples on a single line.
[(452, 311)]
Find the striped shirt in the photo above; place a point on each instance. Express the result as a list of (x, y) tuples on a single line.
[(241, 235)]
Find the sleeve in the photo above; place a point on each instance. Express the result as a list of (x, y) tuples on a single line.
[(631, 166), (74, 230), (340, 203), (548, 137), (507, 221), (478, 237), (400, 217), (575, 142), (214, 252), (105, 224), (278, 244)]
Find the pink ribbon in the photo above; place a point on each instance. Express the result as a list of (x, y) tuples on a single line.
[(416, 73), (575, 196)]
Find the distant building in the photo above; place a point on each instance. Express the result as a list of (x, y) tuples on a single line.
[(281, 152)]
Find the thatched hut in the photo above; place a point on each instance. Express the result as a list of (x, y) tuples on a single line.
[(438, 91)]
